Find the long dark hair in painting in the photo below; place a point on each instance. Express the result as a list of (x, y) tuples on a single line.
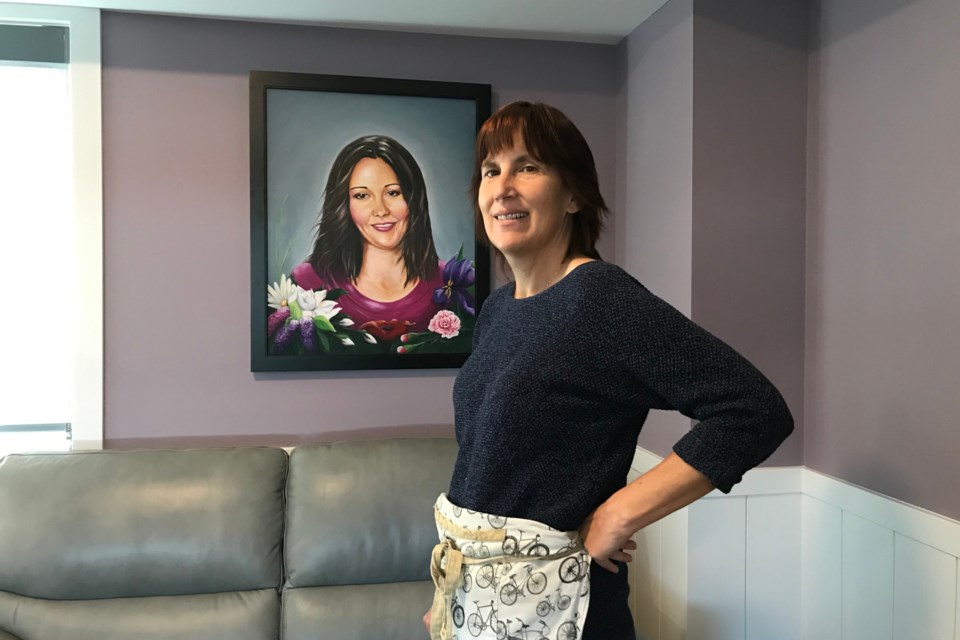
[(338, 248)]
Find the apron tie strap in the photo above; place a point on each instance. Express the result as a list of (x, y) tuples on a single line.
[(446, 578)]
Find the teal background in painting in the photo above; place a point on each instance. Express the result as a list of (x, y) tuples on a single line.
[(307, 129)]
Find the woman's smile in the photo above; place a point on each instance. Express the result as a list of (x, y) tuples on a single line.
[(506, 217)]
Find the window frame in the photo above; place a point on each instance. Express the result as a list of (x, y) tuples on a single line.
[(84, 77)]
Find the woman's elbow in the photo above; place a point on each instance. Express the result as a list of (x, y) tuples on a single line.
[(778, 419)]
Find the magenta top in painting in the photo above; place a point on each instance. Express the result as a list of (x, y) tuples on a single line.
[(417, 306)]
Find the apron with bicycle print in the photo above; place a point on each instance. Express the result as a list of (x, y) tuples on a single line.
[(503, 578)]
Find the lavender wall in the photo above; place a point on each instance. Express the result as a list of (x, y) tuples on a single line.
[(749, 181), (176, 218), (654, 171), (879, 361), (881, 231), (883, 356), (711, 161)]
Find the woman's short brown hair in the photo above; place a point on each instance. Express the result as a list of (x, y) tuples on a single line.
[(551, 138)]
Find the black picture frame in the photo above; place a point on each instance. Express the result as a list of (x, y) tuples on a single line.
[(304, 129)]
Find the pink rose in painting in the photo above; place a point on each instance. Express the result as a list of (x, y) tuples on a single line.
[(446, 323)]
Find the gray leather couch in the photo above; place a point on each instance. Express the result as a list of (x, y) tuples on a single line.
[(330, 542)]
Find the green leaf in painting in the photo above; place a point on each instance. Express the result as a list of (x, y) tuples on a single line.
[(295, 312), (324, 341), (321, 323)]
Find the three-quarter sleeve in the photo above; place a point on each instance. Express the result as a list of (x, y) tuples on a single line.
[(741, 417)]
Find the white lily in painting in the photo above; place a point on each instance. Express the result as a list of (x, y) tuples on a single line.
[(313, 304)]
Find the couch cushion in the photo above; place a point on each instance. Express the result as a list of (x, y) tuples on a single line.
[(362, 512), (250, 615), (111, 524), (357, 612)]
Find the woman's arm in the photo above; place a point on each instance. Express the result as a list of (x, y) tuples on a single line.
[(740, 416), (671, 485)]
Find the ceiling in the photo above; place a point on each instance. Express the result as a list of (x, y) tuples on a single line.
[(599, 21)]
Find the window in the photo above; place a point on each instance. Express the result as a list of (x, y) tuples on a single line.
[(51, 371)]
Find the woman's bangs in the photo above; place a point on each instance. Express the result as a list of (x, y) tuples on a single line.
[(498, 134), (500, 131)]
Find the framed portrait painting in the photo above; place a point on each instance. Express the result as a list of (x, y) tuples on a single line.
[(363, 249)]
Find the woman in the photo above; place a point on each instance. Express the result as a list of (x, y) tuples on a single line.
[(374, 239), (567, 362)]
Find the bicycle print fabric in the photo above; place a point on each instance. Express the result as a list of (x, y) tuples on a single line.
[(503, 578)]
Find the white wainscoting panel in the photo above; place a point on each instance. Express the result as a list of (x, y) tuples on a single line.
[(820, 574), (658, 577), (867, 593), (773, 560), (674, 590), (658, 580), (645, 583), (716, 597), (644, 576), (925, 526), (956, 615), (924, 597), (791, 554)]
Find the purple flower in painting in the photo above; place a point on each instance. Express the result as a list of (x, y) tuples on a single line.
[(458, 277), (308, 335), (276, 320), (285, 335)]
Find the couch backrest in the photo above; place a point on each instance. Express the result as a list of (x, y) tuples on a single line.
[(163, 545), (362, 512), (111, 524), (359, 534)]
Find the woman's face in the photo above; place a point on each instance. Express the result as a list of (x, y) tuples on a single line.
[(524, 203), (377, 205)]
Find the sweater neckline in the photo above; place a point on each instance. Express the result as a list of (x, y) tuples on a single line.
[(549, 290)]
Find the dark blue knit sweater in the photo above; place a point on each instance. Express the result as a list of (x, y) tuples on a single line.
[(550, 403)]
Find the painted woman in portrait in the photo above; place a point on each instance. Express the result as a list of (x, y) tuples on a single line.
[(375, 243)]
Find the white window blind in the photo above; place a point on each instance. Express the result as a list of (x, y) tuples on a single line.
[(37, 256), (51, 226)]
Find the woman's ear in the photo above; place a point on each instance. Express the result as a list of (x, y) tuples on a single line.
[(573, 206)]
